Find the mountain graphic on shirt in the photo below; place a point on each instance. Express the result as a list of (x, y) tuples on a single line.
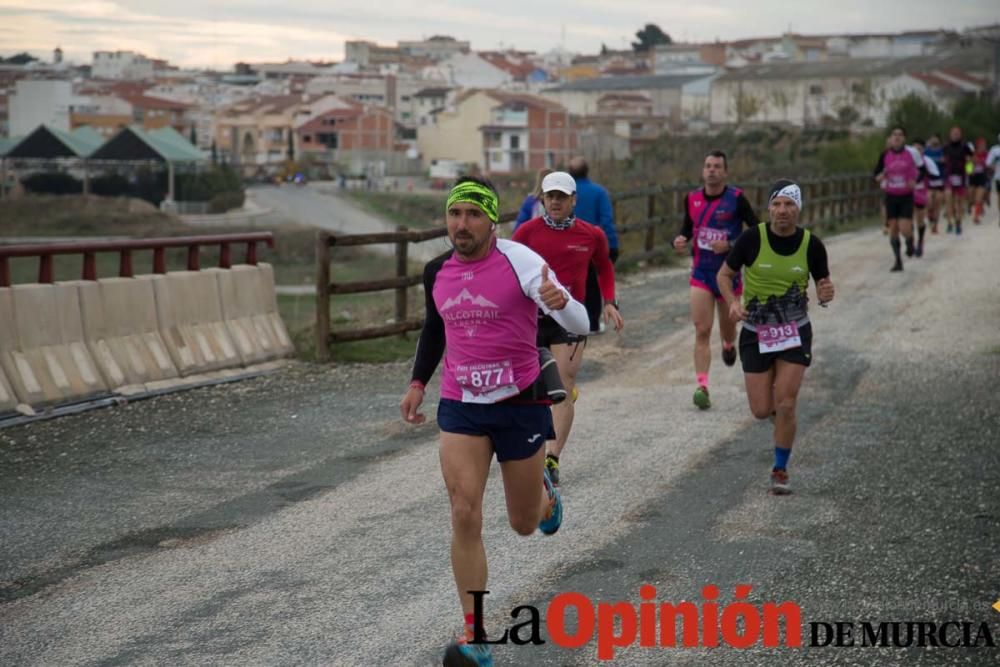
[(466, 297), (792, 306)]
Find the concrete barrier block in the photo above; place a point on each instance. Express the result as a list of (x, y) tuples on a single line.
[(8, 338), (272, 315), (8, 401), (122, 332), (189, 312), (250, 314), (44, 355)]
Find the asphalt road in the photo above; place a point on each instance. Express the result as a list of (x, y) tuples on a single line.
[(294, 520), (319, 205)]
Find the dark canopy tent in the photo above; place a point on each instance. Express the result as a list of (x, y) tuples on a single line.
[(44, 144), (133, 144), (85, 147)]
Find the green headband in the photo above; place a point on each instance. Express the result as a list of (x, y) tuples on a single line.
[(470, 192)]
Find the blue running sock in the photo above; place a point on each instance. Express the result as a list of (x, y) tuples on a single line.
[(781, 457)]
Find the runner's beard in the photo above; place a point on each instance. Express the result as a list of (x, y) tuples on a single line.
[(467, 245)]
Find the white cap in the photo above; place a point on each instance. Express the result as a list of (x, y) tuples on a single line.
[(559, 180)]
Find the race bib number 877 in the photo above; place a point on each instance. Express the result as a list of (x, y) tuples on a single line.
[(486, 382)]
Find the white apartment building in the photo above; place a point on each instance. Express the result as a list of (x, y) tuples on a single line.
[(467, 70), (435, 48), (121, 65), (38, 102)]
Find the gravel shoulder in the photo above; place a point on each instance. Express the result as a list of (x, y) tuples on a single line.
[(294, 519)]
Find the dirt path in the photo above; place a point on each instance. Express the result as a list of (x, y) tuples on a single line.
[(296, 520)]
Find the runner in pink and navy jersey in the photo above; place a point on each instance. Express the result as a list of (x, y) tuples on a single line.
[(714, 218), (482, 302)]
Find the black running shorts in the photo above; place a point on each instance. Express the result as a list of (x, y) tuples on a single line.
[(755, 362), (899, 207), (550, 333)]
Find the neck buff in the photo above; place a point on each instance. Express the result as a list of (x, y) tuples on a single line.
[(790, 190), (563, 224), (470, 192)]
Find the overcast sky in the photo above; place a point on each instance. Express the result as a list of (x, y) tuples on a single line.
[(218, 33)]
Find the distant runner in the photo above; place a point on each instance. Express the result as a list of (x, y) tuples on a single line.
[(933, 153), (922, 196), (979, 179), (956, 158), (898, 170), (993, 165)]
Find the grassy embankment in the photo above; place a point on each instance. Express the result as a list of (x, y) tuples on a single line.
[(756, 155), (412, 210)]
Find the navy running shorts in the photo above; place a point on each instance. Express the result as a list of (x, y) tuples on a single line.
[(707, 279), (517, 430)]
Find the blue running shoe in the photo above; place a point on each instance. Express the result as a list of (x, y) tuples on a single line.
[(462, 654), (552, 467), (549, 525)]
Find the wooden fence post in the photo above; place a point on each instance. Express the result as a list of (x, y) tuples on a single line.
[(856, 193), (869, 204), (830, 194), (824, 194), (836, 193), (758, 200), (322, 296), (401, 269), (676, 202), (651, 230), (816, 207), (845, 209)]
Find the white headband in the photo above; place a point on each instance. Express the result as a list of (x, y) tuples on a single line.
[(791, 191)]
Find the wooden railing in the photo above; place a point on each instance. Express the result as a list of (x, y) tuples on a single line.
[(89, 249), (400, 283), (656, 211), (827, 202)]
